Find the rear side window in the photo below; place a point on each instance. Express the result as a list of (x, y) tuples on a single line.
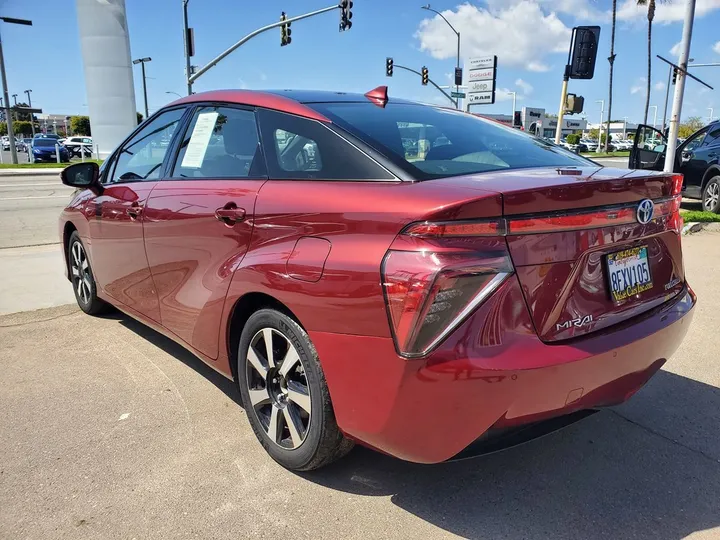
[(430, 142), (301, 149), (220, 142), (713, 137)]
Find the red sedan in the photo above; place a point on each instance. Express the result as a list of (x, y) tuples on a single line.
[(411, 278)]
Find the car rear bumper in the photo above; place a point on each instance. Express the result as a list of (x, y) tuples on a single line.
[(430, 410)]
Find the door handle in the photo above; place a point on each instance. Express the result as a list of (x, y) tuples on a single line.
[(230, 214), (134, 211)]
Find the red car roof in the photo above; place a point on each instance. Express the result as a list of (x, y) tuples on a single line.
[(255, 98)]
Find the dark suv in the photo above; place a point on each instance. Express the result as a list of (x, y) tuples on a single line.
[(698, 159)]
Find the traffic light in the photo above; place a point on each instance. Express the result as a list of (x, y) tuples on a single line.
[(285, 32), (389, 67), (574, 104), (425, 76), (345, 14), (675, 73), (584, 52)]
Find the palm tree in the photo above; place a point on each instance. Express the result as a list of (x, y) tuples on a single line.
[(611, 59), (651, 15)]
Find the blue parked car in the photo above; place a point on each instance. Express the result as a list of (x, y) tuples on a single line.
[(43, 149)]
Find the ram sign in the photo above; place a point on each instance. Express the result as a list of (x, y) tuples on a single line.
[(481, 73)]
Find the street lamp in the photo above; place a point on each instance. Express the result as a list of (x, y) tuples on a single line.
[(625, 128), (142, 61), (513, 109), (427, 7), (32, 120), (8, 118), (600, 127), (173, 93), (189, 43), (655, 114), (711, 113)]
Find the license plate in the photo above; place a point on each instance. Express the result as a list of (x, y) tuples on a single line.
[(628, 273)]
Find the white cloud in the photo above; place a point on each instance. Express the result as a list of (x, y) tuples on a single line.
[(526, 87), (242, 85), (658, 86), (640, 85), (665, 13), (518, 31), (716, 47), (579, 9), (675, 51)]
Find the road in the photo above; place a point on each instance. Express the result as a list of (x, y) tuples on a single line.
[(31, 275), (111, 430)]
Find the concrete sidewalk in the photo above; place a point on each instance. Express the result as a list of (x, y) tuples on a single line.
[(31, 171)]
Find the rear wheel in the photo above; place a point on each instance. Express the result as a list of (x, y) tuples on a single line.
[(82, 278), (711, 195), (285, 395)]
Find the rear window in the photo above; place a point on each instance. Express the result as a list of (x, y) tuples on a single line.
[(45, 142), (431, 142)]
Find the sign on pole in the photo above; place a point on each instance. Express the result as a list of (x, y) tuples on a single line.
[(457, 94), (481, 73)]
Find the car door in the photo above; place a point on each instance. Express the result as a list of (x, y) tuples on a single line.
[(199, 220), (648, 150), (697, 154), (116, 222)]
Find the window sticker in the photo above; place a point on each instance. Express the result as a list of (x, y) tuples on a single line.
[(199, 140)]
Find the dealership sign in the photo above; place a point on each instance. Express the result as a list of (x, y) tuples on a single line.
[(481, 73)]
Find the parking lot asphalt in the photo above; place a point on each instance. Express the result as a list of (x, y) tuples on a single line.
[(110, 430)]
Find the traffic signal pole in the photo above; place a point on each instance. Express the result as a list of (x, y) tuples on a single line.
[(251, 35), (561, 111), (430, 81)]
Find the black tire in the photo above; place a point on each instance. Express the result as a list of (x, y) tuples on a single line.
[(711, 195), (322, 441), (81, 276)]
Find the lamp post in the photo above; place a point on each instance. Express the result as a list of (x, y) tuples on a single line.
[(32, 120), (142, 61), (427, 7), (173, 93), (655, 115), (512, 115), (600, 127), (8, 118), (711, 113), (625, 128), (189, 46)]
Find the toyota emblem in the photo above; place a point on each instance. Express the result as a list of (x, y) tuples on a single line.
[(645, 211)]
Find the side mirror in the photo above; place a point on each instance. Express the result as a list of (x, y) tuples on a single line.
[(83, 176)]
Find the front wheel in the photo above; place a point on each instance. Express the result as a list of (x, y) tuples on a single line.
[(711, 195), (82, 278), (285, 395)]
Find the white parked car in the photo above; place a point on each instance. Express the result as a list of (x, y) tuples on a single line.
[(78, 145)]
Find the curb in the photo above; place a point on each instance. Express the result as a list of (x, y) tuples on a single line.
[(29, 172), (691, 228)]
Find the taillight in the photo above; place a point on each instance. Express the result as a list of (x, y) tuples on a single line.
[(430, 293), (677, 182)]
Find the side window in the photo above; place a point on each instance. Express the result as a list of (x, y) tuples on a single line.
[(142, 156), (695, 142), (713, 137), (220, 142), (301, 149)]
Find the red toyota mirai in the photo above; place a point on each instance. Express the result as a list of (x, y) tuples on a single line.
[(372, 270)]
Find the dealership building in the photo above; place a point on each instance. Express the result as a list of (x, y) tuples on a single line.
[(536, 121)]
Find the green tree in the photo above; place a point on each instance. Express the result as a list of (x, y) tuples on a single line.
[(3, 128), (22, 127), (690, 126), (593, 134), (650, 17), (573, 138), (80, 125), (611, 59)]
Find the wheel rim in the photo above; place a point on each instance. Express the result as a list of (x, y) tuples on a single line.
[(80, 269), (278, 388), (712, 196)]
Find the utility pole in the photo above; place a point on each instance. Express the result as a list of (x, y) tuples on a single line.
[(711, 114), (679, 86), (142, 61), (8, 117), (625, 128), (32, 119), (189, 43), (654, 115), (512, 116)]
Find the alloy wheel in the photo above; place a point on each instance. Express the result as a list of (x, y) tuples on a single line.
[(278, 388), (81, 277), (712, 195)]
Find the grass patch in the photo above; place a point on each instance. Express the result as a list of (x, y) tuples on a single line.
[(623, 153), (43, 165), (699, 216)]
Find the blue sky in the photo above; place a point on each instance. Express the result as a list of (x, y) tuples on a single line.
[(528, 37)]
